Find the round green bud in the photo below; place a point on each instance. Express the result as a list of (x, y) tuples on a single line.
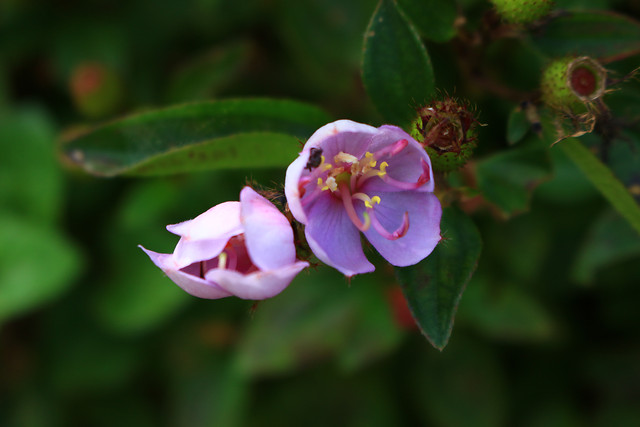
[(522, 11), (447, 130)]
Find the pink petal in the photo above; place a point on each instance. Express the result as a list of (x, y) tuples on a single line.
[(291, 187), (334, 239), (424, 226), (205, 236), (258, 285), (193, 285), (268, 233), (405, 166)]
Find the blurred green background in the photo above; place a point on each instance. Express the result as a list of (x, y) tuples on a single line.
[(92, 334)]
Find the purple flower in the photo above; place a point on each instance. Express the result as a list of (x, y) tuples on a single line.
[(244, 249), (352, 178)]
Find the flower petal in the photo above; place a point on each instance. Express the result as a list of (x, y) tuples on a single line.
[(205, 236), (258, 285), (268, 234), (193, 285), (406, 166), (291, 186), (424, 226), (334, 239)]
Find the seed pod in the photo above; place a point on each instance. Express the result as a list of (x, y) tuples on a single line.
[(522, 11), (570, 82), (447, 130)]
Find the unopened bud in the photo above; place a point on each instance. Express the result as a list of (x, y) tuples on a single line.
[(96, 89), (447, 130), (522, 11)]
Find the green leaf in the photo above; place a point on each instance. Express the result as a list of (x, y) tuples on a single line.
[(396, 69), (507, 178), (204, 76), (517, 125), (504, 312), (30, 176), (603, 35), (434, 286), (318, 316), (37, 264), (611, 240), (434, 19), (464, 386), (602, 178), (205, 134)]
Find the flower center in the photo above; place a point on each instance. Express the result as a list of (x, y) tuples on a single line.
[(345, 176)]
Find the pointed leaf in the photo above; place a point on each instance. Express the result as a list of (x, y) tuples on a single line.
[(434, 286), (202, 135), (507, 179), (604, 35), (434, 19), (396, 69), (604, 180)]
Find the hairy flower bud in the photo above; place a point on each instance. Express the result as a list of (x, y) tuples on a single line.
[(447, 130), (96, 89), (571, 82), (522, 11)]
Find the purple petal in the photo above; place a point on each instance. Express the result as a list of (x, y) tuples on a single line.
[(268, 234), (258, 285), (424, 226), (291, 186), (205, 236), (193, 285), (405, 166), (334, 239)]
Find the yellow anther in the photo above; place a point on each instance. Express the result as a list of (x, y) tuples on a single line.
[(383, 167), (345, 158), (375, 200), (222, 260), (330, 184), (326, 167), (368, 201), (319, 182)]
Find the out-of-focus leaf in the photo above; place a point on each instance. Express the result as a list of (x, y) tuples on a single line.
[(517, 125), (504, 312), (203, 129), (396, 69), (507, 179), (30, 177), (324, 38), (37, 264), (432, 18), (135, 295), (206, 75), (216, 394), (602, 178), (463, 386), (612, 239), (317, 316), (604, 35), (434, 286)]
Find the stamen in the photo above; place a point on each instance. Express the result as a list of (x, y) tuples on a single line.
[(422, 179), (368, 202), (400, 232), (222, 260), (343, 157), (393, 149), (330, 184), (351, 211)]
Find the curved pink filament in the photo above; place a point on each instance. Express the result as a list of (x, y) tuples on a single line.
[(422, 179), (392, 149), (351, 210), (401, 231)]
